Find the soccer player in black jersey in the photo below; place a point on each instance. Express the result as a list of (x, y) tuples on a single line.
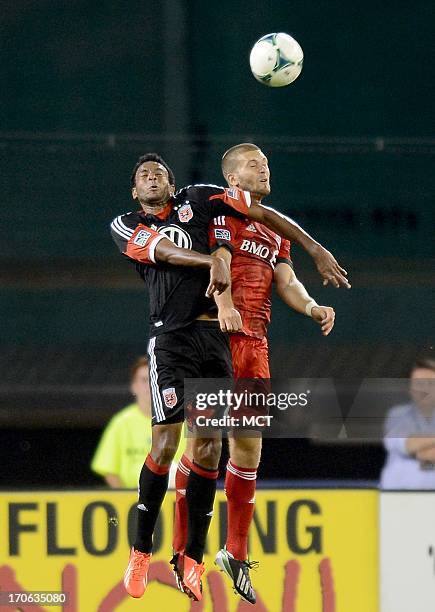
[(185, 338)]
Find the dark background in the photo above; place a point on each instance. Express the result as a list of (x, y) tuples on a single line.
[(87, 87)]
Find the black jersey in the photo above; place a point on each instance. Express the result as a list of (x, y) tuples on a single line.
[(177, 294)]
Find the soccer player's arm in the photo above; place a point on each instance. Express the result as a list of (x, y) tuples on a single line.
[(326, 264), (293, 293), (144, 245), (107, 459), (222, 235)]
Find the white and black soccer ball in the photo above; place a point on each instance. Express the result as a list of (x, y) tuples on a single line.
[(276, 59)]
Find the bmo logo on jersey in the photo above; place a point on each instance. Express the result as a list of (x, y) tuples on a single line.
[(177, 235), (261, 250)]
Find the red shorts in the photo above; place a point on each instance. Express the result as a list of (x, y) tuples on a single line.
[(250, 356)]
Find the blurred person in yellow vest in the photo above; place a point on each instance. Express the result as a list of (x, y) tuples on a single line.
[(126, 439)]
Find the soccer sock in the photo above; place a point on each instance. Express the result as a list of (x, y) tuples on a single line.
[(153, 484), (200, 494), (180, 519), (240, 491)]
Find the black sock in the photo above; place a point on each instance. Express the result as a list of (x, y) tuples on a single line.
[(200, 494), (153, 484)]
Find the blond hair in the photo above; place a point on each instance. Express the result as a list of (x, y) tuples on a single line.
[(230, 157)]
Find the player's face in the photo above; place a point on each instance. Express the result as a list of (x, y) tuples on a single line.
[(422, 389), (252, 173), (152, 184), (140, 383)]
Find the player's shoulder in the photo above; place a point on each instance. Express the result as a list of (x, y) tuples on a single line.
[(125, 223), (129, 219), (199, 191)]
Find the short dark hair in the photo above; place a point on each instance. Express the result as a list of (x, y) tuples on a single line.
[(137, 365), (425, 363), (154, 157)]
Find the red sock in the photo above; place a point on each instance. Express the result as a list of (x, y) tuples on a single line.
[(240, 491), (180, 518)]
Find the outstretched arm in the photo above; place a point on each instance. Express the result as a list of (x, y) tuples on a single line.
[(326, 263), (293, 293), (167, 252)]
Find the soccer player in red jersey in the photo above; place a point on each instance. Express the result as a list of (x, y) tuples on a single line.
[(258, 257)]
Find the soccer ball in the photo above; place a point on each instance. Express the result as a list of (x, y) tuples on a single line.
[(276, 59)]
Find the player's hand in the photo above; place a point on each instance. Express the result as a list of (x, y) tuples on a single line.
[(230, 319), (325, 317), (329, 269), (219, 277)]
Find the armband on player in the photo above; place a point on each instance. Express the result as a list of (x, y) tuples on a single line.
[(142, 244)]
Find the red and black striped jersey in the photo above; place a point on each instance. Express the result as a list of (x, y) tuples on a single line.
[(255, 252), (177, 294)]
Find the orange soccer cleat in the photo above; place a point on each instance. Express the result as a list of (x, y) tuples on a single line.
[(192, 572), (135, 577)]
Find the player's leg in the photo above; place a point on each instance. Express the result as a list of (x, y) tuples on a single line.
[(201, 481), (153, 481), (167, 389), (240, 485), (180, 516), (200, 494), (194, 448), (250, 360)]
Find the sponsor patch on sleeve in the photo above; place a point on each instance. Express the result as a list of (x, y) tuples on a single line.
[(141, 238), (233, 192), (222, 234)]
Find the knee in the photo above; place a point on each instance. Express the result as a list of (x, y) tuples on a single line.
[(246, 452), (164, 455), (207, 452), (164, 448)]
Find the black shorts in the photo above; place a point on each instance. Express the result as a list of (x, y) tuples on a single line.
[(200, 350)]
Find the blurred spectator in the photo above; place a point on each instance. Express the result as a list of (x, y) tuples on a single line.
[(410, 434), (126, 439)]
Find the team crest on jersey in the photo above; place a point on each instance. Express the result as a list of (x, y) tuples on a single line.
[(169, 397), (141, 238), (251, 228), (185, 213)]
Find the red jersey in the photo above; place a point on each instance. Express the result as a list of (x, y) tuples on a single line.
[(255, 250)]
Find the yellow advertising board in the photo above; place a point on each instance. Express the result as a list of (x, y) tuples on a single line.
[(318, 552)]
